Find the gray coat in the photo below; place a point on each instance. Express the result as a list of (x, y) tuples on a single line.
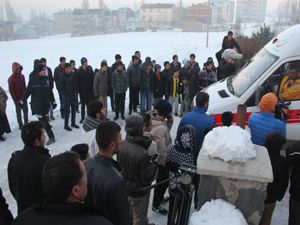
[(119, 82), (134, 75), (100, 84)]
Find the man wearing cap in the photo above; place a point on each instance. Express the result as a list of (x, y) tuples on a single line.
[(162, 124), (57, 72), (17, 87), (227, 66), (264, 122), (85, 80), (101, 84), (69, 90), (51, 80), (41, 96), (134, 79)]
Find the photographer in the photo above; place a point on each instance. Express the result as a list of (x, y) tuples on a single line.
[(162, 124), (264, 122)]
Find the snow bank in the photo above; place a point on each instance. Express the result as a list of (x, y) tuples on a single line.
[(217, 212), (229, 144)]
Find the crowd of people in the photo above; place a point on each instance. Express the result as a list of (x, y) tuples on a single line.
[(106, 180)]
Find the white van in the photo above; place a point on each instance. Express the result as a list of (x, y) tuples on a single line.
[(265, 71)]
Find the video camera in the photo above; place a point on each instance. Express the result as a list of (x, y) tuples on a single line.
[(187, 173), (279, 112)]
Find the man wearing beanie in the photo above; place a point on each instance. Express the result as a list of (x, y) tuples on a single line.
[(85, 79), (17, 87), (101, 83), (137, 169), (41, 97), (201, 123), (162, 124), (264, 122)]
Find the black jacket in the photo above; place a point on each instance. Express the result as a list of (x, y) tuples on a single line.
[(60, 214), (185, 74), (50, 76), (158, 86), (225, 69), (134, 160), (5, 215), (134, 75), (230, 44), (194, 69), (173, 67), (293, 158), (166, 76), (85, 80), (68, 84), (25, 175), (107, 190), (41, 95), (195, 85), (277, 189), (57, 72)]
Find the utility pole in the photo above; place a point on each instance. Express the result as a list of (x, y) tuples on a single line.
[(208, 23)]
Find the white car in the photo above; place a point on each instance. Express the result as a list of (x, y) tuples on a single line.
[(264, 72)]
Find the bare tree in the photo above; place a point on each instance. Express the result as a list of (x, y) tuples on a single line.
[(10, 12)]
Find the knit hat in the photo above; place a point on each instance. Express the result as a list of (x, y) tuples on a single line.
[(40, 67), (134, 125), (268, 103), (157, 66), (83, 60), (163, 108), (230, 53), (15, 66), (103, 63)]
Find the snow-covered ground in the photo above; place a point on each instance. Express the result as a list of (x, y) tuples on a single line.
[(158, 45)]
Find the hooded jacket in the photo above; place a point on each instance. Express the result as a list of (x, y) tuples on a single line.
[(16, 83)]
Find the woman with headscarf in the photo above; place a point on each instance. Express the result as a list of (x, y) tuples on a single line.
[(183, 152)]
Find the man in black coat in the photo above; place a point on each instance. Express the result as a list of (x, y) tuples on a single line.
[(106, 187), (85, 80), (57, 72), (68, 86), (41, 96), (6, 217), (228, 42), (166, 76), (140, 174), (65, 186), (25, 167)]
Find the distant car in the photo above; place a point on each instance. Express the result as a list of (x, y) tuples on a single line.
[(263, 73)]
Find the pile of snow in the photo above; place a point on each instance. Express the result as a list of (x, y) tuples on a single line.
[(217, 212), (229, 144)]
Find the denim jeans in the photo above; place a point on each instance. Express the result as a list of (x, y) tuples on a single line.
[(146, 100)]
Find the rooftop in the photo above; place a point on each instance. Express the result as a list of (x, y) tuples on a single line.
[(157, 6)]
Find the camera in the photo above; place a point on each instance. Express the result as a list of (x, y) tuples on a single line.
[(279, 112), (187, 173)]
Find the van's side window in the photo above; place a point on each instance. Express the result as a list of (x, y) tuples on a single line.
[(289, 88)]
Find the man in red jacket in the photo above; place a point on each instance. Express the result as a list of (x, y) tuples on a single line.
[(17, 87)]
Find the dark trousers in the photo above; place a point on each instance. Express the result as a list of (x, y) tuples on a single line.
[(134, 93), (196, 180), (159, 192), (44, 121), (294, 208), (112, 101), (70, 103), (120, 103), (85, 99), (62, 103), (19, 110)]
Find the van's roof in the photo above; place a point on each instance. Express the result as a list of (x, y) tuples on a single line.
[(286, 44)]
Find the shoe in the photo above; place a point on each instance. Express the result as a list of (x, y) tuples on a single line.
[(52, 117), (160, 210), (67, 128), (81, 121), (123, 117), (116, 118), (2, 138), (50, 141), (165, 200), (75, 126), (129, 113)]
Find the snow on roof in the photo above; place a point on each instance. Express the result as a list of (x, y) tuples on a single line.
[(217, 212), (229, 144)]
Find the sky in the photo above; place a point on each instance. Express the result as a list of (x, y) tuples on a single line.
[(24, 7)]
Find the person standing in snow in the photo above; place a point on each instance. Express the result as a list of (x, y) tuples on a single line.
[(166, 76), (137, 175), (146, 86), (4, 125), (158, 86), (207, 75), (68, 87), (25, 167), (96, 114), (174, 91), (57, 72), (134, 79), (101, 83), (201, 123), (85, 80), (175, 64), (17, 88), (119, 85), (194, 66), (185, 78), (162, 124), (264, 122), (41, 96)]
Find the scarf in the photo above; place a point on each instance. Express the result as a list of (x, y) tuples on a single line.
[(90, 123)]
